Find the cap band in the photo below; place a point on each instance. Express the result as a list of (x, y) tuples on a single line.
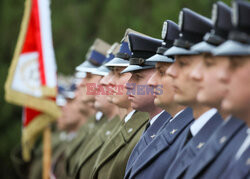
[(96, 57), (124, 56), (183, 43), (136, 61), (161, 50), (240, 37), (213, 39)]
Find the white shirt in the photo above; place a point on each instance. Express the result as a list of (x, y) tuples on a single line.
[(244, 145), (129, 116), (67, 136), (155, 117), (98, 115), (201, 121), (71, 136)]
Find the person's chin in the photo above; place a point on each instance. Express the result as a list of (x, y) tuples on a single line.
[(157, 102), (110, 98), (227, 106), (134, 106), (201, 98)]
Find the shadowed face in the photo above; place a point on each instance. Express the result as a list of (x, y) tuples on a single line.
[(101, 101), (140, 97), (118, 82), (89, 79), (205, 73), (164, 96), (71, 115), (185, 89), (237, 99)]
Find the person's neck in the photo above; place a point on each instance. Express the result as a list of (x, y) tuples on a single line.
[(217, 105), (174, 108), (154, 111), (111, 112), (245, 116), (91, 112), (81, 122), (223, 113), (123, 112), (76, 126), (198, 110)]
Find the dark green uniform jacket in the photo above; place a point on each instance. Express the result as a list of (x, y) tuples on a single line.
[(90, 152), (65, 164), (112, 159), (33, 168)]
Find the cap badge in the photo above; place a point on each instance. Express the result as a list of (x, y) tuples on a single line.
[(235, 14), (180, 23), (164, 30), (214, 13)]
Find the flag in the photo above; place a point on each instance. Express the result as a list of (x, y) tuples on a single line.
[(32, 80)]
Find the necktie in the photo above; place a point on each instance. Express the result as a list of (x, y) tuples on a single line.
[(147, 126), (189, 136)]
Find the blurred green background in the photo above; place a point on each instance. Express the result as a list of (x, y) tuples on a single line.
[(75, 24)]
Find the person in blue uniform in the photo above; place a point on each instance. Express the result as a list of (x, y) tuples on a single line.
[(218, 159)]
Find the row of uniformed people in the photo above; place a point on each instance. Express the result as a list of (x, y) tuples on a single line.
[(193, 124)]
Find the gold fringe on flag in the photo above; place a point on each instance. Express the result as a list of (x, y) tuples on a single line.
[(32, 131)]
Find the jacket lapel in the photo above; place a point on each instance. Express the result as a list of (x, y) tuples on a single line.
[(77, 141), (215, 144), (241, 167), (146, 138), (164, 139), (97, 141), (75, 150), (152, 130), (193, 147), (123, 135)]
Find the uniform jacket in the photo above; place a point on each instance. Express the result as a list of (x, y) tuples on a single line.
[(193, 147), (33, 168), (239, 168), (90, 152), (60, 163), (147, 137), (112, 159), (158, 155), (75, 148), (219, 151)]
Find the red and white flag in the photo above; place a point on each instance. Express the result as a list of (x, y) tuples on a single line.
[(32, 80)]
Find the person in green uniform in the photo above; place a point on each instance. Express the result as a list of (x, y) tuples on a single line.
[(112, 159), (108, 110), (66, 160), (73, 122), (89, 152)]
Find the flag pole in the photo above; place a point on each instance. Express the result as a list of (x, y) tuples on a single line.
[(46, 152)]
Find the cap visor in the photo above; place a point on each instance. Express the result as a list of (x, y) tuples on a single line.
[(86, 67), (117, 62), (132, 68), (203, 47), (102, 71), (80, 74), (232, 48), (179, 51), (160, 58)]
